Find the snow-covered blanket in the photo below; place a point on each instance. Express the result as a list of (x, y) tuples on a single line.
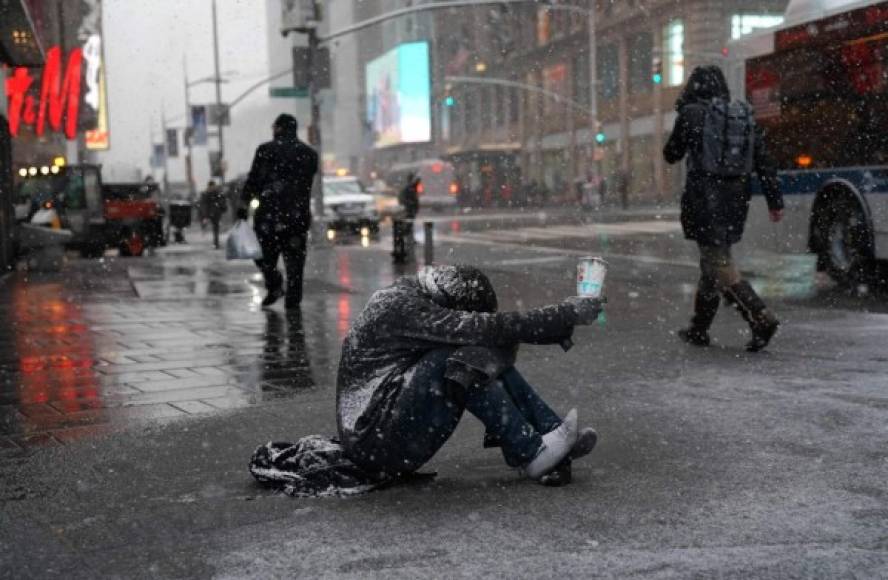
[(314, 466)]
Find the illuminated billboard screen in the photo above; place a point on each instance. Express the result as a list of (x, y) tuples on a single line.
[(399, 96)]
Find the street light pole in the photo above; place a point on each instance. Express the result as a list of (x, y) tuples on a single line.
[(218, 82), (189, 161), (314, 129), (593, 85)]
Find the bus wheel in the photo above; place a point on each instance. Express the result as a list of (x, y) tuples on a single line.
[(844, 247)]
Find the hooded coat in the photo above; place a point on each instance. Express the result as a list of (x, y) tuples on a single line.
[(713, 208), (281, 178), (404, 322)]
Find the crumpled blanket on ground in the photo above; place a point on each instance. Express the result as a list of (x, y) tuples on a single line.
[(314, 466)]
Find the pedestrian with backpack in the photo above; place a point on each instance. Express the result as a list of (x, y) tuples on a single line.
[(724, 148)]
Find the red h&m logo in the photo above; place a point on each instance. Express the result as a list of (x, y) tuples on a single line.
[(59, 96)]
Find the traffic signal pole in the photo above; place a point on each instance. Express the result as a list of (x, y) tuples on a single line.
[(218, 82)]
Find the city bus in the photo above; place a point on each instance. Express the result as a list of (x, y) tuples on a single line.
[(819, 88)]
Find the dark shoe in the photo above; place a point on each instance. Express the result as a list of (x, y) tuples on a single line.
[(561, 475), (694, 336), (763, 330), (272, 297), (586, 441)]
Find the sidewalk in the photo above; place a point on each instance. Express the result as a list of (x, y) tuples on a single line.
[(105, 344)]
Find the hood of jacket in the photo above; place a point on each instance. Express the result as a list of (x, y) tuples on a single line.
[(459, 287), (705, 84)]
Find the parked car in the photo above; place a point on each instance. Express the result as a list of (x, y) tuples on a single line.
[(348, 208)]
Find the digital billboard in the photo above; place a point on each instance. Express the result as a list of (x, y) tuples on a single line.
[(398, 89)]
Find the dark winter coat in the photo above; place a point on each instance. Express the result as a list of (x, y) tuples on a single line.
[(281, 179), (405, 321), (213, 204), (409, 199), (714, 209)]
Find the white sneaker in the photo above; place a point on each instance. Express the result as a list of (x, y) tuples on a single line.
[(556, 445)]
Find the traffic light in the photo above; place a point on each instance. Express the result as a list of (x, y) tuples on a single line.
[(449, 101), (600, 136), (657, 70)]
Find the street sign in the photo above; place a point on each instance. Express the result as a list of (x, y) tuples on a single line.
[(199, 124), (218, 115), (287, 92), (172, 143)]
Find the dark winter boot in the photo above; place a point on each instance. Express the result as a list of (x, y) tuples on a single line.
[(705, 309), (762, 323)]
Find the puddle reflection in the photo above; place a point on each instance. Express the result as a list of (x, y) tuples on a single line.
[(286, 367), (55, 377)]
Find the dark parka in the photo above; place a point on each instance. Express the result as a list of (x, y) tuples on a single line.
[(714, 209), (281, 179), (403, 323)]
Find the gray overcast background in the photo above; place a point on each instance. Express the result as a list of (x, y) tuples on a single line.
[(145, 42)]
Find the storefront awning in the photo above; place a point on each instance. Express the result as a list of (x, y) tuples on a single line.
[(19, 45)]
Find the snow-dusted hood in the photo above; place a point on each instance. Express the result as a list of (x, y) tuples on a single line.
[(458, 287)]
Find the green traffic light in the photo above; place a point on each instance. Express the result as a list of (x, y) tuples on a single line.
[(658, 78), (449, 101), (600, 137)]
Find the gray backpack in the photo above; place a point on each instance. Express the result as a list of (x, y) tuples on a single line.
[(728, 141)]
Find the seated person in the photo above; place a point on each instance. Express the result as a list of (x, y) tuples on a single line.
[(429, 347)]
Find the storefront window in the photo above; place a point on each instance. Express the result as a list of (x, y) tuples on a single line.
[(743, 24), (673, 53)]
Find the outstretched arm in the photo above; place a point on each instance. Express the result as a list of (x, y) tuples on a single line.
[(546, 325)]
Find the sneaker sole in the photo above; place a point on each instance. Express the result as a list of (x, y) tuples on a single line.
[(586, 442)]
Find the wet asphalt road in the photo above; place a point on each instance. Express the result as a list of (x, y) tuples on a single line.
[(135, 390)]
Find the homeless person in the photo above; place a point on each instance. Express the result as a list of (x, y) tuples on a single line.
[(429, 347)]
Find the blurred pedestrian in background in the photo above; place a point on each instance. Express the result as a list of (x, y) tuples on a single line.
[(213, 206)]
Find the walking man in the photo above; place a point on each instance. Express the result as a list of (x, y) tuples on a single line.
[(433, 345), (213, 206), (723, 148), (281, 179)]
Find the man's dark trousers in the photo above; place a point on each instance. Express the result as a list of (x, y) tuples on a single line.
[(277, 239)]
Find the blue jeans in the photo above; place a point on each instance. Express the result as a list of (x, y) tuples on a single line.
[(429, 407)]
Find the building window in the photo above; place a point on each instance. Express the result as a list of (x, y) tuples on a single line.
[(514, 105), (554, 81), (485, 109), (743, 24), (608, 72), (544, 26), (673, 53), (581, 87), (641, 52)]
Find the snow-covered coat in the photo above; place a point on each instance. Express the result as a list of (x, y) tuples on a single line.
[(403, 322)]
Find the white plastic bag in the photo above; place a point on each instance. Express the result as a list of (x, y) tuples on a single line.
[(242, 243)]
